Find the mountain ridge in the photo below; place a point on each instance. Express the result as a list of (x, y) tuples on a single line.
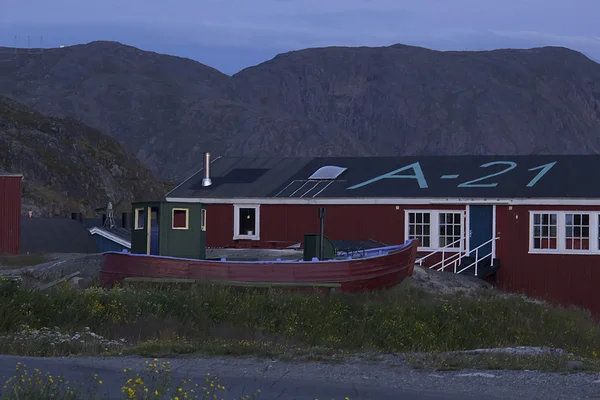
[(68, 166), (340, 100)]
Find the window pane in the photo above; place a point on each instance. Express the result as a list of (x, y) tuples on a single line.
[(247, 221), (179, 218), (418, 228), (577, 231), (450, 229), (141, 219), (544, 231)]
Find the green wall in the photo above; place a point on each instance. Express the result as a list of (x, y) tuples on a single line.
[(184, 243)]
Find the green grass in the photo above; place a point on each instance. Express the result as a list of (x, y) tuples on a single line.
[(219, 320)]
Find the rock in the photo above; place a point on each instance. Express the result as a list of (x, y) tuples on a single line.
[(571, 365), (441, 282)]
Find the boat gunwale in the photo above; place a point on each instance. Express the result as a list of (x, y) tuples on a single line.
[(391, 250)]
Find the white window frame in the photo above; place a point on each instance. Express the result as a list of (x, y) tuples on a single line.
[(236, 222), (434, 230), (561, 232)]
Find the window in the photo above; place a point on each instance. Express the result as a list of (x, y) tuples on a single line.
[(450, 225), (180, 218), (436, 229), (203, 219), (140, 219), (545, 231), (565, 232), (328, 172), (419, 227), (577, 233), (246, 221)]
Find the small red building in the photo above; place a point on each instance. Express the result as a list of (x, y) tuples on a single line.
[(10, 213), (529, 223)]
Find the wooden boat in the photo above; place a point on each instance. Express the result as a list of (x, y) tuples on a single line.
[(373, 269)]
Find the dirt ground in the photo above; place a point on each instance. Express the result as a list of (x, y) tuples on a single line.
[(446, 282)]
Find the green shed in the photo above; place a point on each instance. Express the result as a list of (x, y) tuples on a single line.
[(169, 229)]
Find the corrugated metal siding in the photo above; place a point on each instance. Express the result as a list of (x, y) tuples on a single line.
[(289, 223), (563, 279), (105, 244), (10, 214)]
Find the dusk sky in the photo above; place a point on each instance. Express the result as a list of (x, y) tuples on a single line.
[(233, 34)]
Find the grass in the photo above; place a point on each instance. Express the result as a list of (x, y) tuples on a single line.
[(178, 320), (155, 381), (21, 261)]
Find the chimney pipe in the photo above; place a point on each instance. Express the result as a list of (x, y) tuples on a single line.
[(206, 180)]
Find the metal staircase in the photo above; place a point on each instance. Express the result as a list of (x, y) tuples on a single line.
[(475, 262)]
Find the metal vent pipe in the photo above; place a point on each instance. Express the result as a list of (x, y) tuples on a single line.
[(206, 180)]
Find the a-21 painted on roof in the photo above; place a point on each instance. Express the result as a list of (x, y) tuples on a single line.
[(540, 176)]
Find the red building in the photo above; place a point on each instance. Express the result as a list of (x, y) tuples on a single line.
[(529, 223), (10, 213)]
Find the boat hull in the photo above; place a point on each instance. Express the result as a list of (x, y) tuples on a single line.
[(376, 272)]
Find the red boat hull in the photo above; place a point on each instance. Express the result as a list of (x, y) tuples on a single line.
[(354, 275)]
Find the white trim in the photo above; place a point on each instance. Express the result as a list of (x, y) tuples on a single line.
[(389, 201), (236, 222), (561, 233), (110, 236), (468, 229), (494, 233), (434, 231)]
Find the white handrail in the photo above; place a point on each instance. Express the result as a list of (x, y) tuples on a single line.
[(477, 259), (444, 260), (442, 249)]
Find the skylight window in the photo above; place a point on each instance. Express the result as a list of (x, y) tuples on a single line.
[(328, 172)]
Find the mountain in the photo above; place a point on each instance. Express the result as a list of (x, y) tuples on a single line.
[(68, 166), (323, 101)]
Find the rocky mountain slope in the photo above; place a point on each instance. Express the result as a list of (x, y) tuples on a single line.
[(328, 101), (68, 166)]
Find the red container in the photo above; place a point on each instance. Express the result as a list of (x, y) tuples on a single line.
[(10, 213)]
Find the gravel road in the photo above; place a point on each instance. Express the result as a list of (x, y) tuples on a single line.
[(357, 380)]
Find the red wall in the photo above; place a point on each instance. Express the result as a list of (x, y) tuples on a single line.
[(289, 223), (10, 214), (565, 279)]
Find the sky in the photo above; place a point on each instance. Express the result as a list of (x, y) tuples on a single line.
[(233, 34)]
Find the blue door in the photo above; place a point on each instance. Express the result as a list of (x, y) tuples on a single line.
[(481, 227)]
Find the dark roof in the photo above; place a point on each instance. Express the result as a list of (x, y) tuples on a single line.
[(55, 235), (532, 176), (4, 173)]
